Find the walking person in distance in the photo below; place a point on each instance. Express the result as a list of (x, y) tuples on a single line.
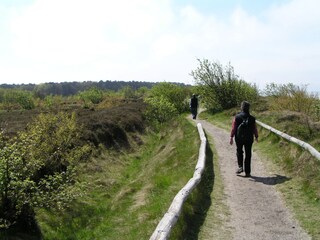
[(244, 130), (194, 106)]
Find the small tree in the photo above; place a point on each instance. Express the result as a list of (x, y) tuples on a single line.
[(219, 87)]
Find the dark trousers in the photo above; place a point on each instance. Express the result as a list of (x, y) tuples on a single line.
[(194, 112), (247, 150)]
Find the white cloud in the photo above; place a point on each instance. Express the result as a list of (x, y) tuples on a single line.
[(191, 17), (75, 31)]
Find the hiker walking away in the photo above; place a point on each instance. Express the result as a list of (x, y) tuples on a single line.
[(194, 106), (244, 129)]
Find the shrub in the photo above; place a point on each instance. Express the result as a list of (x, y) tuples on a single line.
[(293, 98), (127, 92), (93, 96), (25, 100), (13, 99), (159, 109), (52, 101), (220, 88), (174, 94), (142, 91), (38, 168)]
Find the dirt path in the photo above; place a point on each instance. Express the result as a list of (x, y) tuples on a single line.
[(257, 210)]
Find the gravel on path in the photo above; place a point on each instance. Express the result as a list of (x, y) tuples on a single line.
[(257, 210)]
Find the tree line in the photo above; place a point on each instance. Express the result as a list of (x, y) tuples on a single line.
[(72, 88)]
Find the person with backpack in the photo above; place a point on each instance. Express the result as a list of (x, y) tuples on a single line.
[(244, 129), (194, 106)]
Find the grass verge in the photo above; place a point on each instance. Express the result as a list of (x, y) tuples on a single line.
[(196, 206), (127, 194), (302, 192), (205, 214)]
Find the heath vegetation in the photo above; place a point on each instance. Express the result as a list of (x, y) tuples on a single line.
[(79, 160)]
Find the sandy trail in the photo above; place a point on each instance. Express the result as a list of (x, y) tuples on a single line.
[(257, 210)]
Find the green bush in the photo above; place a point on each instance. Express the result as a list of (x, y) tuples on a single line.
[(220, 88), (293, 98), (52, 101), (127, 92), (38, 168), (13, 98), (25, 100), (142, 92), (159, 109), (91, 96), (174, 94), (165, 101)]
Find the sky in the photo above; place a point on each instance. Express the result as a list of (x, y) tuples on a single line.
[(266, 41)]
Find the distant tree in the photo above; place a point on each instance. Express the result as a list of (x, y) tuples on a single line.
[(219, 87), (72, 88), (42, 90), (28, 87)]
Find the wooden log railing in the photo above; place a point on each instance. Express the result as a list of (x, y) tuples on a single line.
[(305, 145), (162, 231), (170, 218)]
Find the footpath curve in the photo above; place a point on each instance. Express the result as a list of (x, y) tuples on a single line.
[(257, 210)]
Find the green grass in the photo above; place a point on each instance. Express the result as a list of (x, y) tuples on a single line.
[(205, 212), (302, 191), (195, 208), (127, 194)]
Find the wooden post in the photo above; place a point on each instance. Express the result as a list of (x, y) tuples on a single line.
[(305, 145), (170, 218)]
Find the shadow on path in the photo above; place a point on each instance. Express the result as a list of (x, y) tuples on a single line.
[(273, 180)]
